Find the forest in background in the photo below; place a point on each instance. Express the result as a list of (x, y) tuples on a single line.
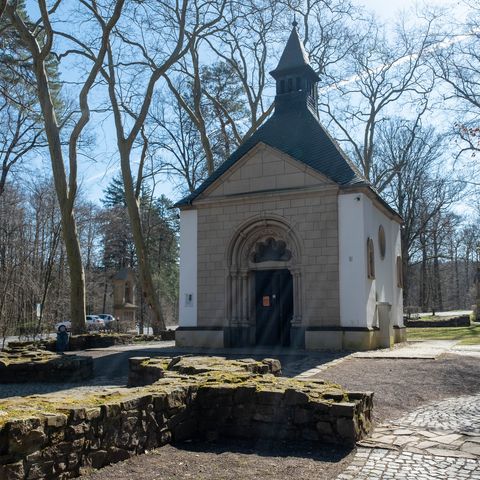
[(172, 88)]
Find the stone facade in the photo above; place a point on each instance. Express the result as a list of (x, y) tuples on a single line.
[(305, 216), (237, 212)]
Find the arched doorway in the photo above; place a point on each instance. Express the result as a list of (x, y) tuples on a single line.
[(264, 294)]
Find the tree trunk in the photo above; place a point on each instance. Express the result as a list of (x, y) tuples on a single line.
[(69, 227), (437, 284), (423, 278), (133, 208), (457, 281), (77, 274)]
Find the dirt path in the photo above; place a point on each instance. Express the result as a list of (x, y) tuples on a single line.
[(230, 460), (400, 386)]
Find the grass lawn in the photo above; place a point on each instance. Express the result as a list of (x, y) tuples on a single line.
[(466, 335)]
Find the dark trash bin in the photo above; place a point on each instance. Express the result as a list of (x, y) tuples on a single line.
[(62, 339)]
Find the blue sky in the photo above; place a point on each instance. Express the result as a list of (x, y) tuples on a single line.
[(94, 175)]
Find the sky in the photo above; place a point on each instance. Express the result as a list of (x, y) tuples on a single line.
[(386, 9), (95, 176)]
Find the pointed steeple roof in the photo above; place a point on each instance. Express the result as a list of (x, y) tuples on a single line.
[(294, 57)]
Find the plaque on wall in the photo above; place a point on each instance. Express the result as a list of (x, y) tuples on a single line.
[(266, 301)]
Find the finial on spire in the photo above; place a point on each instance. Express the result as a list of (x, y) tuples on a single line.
[(294, 23)]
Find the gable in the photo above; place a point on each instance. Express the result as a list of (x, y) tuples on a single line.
[(299, 135), (264, 168)]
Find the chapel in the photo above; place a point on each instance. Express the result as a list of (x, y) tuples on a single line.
[(286, 244)]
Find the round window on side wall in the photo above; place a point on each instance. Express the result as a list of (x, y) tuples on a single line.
[(382, 243)]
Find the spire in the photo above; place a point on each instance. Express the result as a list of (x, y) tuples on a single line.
[(295, 77), (294, 56)]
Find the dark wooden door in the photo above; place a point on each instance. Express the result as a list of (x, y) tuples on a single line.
[(273, 307)]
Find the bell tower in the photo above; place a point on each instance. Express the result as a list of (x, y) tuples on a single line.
[(296, 79)]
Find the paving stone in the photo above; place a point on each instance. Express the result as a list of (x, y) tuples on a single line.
[(437, 441), (443, 452), (448, 439), (425, 444), (471, 448)]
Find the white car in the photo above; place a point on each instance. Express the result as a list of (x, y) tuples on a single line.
[(106, 317), (108, 320), (66, 323), (94, 322)]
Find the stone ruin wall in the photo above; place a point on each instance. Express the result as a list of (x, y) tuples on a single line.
[(65, 445)]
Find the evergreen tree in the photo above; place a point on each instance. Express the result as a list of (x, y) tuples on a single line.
[(114, 193)]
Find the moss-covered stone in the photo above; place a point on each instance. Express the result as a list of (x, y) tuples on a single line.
[(26, 363)]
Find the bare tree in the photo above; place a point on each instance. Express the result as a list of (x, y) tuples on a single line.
[(20, 122), (383, 72), (40, 48), (133, 64), (175, 145), (410, 157), (224, 100), (456, 62)]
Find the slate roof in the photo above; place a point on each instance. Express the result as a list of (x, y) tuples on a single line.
[(293, 57), (299, 134)]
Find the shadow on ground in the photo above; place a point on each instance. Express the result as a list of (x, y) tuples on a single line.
[(232, 459), (268, 448)]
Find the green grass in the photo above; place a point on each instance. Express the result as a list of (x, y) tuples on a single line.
[(466, 335)]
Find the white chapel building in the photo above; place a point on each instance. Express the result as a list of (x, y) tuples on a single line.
[(287, 244)]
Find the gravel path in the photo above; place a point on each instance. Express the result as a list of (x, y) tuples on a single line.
[(401, 386)]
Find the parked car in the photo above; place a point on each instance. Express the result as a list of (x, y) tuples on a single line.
[(108, 319), (94, 322), (66, 323)]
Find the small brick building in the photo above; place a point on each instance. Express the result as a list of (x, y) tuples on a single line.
[(286, 243)]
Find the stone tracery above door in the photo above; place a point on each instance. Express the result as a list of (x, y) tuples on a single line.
[(261, 240), (271, 250)]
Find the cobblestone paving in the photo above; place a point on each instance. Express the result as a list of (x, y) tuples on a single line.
[(461, 415), (381, 464), (437, 441)]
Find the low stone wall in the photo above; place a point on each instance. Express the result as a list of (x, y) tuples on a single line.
[(147, 370), (461, 321), (27, 365), (97, 340), (285, 414), (47, 437)]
